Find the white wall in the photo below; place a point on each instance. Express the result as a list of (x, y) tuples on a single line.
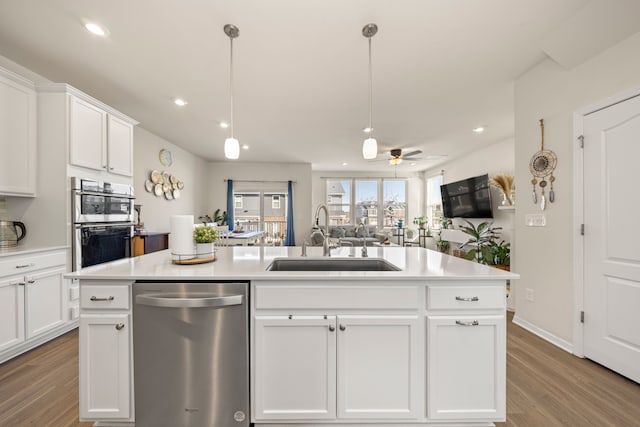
[(494, 159), (188, 168), (544, 256), (300, 173)]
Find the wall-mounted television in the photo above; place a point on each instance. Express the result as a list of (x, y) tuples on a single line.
[(468, 198)]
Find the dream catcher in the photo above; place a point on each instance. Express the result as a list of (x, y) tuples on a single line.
[(542, 165)]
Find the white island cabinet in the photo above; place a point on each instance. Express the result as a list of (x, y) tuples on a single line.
[(423, 346)]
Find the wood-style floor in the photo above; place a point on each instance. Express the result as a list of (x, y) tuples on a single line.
[(546, 387)]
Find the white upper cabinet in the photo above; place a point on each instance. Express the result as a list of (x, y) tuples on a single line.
[(18, 140), (98, 139)]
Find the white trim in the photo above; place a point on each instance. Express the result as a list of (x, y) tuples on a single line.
[(545, 335), (578, 210)]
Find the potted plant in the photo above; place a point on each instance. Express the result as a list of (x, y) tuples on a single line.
[(205, 236), (442, 245), (500, 255), (481, 237), (420, 221)]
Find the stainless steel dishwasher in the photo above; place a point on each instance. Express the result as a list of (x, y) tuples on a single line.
[(191, 354)]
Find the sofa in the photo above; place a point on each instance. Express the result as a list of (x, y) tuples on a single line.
[(352, 234)]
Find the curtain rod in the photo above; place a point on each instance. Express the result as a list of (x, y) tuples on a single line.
[(365, 177), (255, 180)]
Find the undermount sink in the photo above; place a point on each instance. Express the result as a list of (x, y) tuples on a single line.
[(331, 264)]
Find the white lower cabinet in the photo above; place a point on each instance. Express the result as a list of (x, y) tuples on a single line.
[(11, 312), (106, 351), (328, 367), (105, 366), (295, 367), (34, 301), (466, 367)]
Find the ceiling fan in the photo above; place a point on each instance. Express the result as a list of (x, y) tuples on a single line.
[(397, 156)]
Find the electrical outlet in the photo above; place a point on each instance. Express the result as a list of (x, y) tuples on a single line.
[(529, 295), (535, 220)]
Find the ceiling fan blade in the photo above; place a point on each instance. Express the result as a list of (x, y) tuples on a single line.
[(412, 153)]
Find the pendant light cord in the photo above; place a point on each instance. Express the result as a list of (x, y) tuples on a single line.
[(370, 92), (231, 83)]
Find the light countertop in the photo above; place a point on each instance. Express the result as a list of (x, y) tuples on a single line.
[(27, 249), (250, 262)]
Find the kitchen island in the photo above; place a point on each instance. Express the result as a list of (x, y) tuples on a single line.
[(424, 345)]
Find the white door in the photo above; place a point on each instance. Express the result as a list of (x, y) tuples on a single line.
[(44, 301), (378, 367), (295, 367), (466, 367), (87, 135), (105, 390), (612, 238), (120, 147), (11, 312)]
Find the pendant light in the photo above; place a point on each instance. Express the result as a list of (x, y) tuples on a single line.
[(370, 145), (231, 145)]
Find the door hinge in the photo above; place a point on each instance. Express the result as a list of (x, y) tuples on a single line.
[(581, 139), (582, 229), (582, 317)]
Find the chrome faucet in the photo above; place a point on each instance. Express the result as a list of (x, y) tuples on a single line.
[(325, 235), (364, 248)]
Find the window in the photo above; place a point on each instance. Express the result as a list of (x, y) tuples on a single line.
[(237, 201), (395, 202), (380, 202), (434, 201), (262, 211), (339, 201)]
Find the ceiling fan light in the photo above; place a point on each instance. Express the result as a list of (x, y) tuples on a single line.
[(395, 161), (231, 148), (370, 148)]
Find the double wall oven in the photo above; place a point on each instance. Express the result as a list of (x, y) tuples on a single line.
[(102, 215)]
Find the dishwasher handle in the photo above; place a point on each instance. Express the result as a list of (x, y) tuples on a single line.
[(177, 301)]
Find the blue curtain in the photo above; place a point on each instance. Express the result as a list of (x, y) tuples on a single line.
[(290, 239), (230, 204)]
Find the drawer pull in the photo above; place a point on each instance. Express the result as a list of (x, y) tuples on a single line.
[(461, 323), (109, 298), (120, 326), (467, 299), (25, 265)]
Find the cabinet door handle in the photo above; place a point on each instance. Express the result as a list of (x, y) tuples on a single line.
[(21, 283), (467, 299), (342, 327), (120, 326), (111, 169), (332, 328), (461, 323), (25, 265), (31, 281), (109, 298)]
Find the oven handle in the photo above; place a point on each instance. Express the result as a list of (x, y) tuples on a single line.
[(96, 193), (103, 224), (176, 301)]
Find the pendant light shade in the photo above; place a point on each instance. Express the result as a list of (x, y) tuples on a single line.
[(231, 145), (370, 145)]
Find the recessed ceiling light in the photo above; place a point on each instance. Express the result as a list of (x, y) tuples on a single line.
[(344, 163), (478, 129), (367, 130), (413, 163), (245, 147), (224, 125), (180, 102), (96, 29)]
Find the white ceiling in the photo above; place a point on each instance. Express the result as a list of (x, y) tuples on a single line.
[(440, 68)]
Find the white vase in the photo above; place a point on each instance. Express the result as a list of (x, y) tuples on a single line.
[(204, 250)]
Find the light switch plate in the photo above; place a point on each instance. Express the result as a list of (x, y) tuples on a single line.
[(535, 220)]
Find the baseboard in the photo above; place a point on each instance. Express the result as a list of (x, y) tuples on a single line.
[(545, 335)]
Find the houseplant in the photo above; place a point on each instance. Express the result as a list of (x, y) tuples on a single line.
[(482, 237), (500, 255), (205, 236), (420, 221)]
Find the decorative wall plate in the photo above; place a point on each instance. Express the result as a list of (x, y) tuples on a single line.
[(148, 185)]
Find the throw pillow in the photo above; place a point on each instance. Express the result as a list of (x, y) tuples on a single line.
[(350, 232), (362, 231), (338, 232)]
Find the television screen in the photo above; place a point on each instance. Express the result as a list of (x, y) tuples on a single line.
[(469, 198)]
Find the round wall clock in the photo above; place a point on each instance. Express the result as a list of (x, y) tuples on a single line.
[(165, 157)]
